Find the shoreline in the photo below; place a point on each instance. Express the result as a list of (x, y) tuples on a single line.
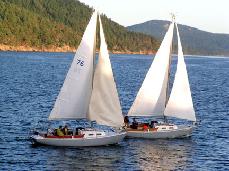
[(65, 48)]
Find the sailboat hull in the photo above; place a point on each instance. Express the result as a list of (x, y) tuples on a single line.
[(111, 138), (180, 132)]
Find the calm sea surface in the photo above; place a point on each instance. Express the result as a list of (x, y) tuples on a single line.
[(30, 82)]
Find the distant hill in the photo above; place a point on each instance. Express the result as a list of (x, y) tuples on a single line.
[(53, 24), (194, 41)]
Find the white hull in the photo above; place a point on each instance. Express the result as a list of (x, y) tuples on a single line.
[(180, 132), (108, 139)]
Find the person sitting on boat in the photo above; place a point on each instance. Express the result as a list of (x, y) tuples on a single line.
[(77, 130), (50, 131), (126, 121), (145, 127), (153, 124), (65, 130), (59, 131), (134, 124)]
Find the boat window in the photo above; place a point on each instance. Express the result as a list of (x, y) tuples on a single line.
[(170, 127), (163, 128), (99, 134), (90, 134)]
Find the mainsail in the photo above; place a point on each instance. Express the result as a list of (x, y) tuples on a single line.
[(180, 101), (151, 98), (74, 97), (87, 92), (104, 106)]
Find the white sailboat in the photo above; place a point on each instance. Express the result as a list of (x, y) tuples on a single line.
[(89, 91), (153, 99)]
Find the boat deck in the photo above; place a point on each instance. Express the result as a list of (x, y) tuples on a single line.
[(141, 129)]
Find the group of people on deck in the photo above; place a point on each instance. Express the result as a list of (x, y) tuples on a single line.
[(64, 131), (136, 125), (61, 131)]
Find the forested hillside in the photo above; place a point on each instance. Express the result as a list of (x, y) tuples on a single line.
[(57, 23), (194, 41)]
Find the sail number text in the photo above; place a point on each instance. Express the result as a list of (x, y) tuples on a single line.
[(80, 62)]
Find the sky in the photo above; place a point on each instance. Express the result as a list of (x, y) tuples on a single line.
[(207, 15)]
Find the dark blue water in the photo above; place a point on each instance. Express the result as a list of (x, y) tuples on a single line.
[(30, 82)]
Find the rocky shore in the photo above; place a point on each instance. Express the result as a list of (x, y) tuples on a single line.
[(24, 48)]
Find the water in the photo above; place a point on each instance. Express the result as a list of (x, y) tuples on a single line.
[(29, 84)]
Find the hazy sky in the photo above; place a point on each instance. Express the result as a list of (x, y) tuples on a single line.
[(208, 15)]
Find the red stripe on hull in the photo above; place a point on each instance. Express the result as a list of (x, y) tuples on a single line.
[(66, 136)]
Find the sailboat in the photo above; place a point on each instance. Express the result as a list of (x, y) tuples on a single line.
[(153, 98), (89, 92)]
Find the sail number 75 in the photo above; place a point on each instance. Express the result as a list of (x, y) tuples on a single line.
[(80, 62)]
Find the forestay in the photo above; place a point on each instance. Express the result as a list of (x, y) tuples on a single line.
[(104, 106), (74, 97), (151, 98), (180, 102)]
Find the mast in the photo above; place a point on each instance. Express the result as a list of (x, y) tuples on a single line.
[(94, 56), (169, 73), (94, 48)]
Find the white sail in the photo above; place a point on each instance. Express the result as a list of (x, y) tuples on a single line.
[(151, 98), (180, 102), (104, 106), (74, 97)]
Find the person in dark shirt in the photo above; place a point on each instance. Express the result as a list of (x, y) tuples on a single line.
[(153, 124), (126, 121), (65, 130), (134, 124)]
